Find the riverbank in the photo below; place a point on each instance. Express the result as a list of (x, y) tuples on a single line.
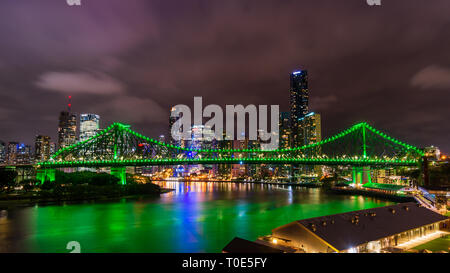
[(332, 190), (305, 184), (79, 193), (353, 191)]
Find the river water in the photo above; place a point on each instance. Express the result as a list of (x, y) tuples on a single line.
[(195, 217)]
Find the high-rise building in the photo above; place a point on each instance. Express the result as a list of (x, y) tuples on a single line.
[(53, 148), (18, 153), (310, 129), (3, 150), (172, 119), (24, 155), (89, 125), (12, 152), (285, 130), (298, 103), (42, 148), (67, 129)]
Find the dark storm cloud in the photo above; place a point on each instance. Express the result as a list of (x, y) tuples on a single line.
[(132, 60)]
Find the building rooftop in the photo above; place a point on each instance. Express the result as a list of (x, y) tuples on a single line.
[(387, 187), (238, 245), (347, 230)]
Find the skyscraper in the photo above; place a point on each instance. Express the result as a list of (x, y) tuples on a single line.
[(18, 153), (89, 125), (12, 152), (52, 148), (67, 129), (172, 119), (42, 148), (285, 130), (298, 103), (310, 128)]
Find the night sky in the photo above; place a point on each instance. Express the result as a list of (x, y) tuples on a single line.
[(131, 60)]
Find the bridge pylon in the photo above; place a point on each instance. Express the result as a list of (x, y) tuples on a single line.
[(361, 175), (121, 173), (46, 174)]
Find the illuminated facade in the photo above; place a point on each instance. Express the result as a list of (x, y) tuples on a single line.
[(67, 129), (310, 129), (432, 152), (2, 152), (18, 153), (383, 229), (285, 130), (298, 103), (179, 141), (89, 125), (224, 170), (42, 148), (53, 148), (239, 170)]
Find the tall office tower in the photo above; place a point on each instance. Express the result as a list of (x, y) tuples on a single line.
[(12, 151), (285, 130), (162, 149), (298, 103), (67, 129), (24, 155), (89, 125), (42, 148), (3, 150), (311, 129), (52, 148), (179, 141)]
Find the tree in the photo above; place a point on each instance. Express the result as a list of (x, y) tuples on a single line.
[(7, 179)]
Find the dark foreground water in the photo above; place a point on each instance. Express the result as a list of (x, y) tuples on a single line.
[(196, 217)]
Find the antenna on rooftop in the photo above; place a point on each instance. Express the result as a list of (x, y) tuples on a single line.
[(69, 104)]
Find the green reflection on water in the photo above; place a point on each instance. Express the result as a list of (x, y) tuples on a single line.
[(196, 217)]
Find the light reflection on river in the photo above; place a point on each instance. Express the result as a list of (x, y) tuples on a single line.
[(195, 217)]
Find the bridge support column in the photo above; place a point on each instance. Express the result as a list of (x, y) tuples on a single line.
[(361, 175), (121, 173), (366, 178), (46, 174)]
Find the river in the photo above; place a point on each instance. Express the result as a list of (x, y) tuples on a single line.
[(195, 217)]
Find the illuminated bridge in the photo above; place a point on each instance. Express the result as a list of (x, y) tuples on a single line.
[(360, 146)]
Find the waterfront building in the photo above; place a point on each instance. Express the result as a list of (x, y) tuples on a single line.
[(3, 150), (239, 245), (42, 148), (89, 125), (298, 104), (67, 129), (382, 229)]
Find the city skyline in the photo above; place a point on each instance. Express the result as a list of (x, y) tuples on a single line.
[(133, 73)]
